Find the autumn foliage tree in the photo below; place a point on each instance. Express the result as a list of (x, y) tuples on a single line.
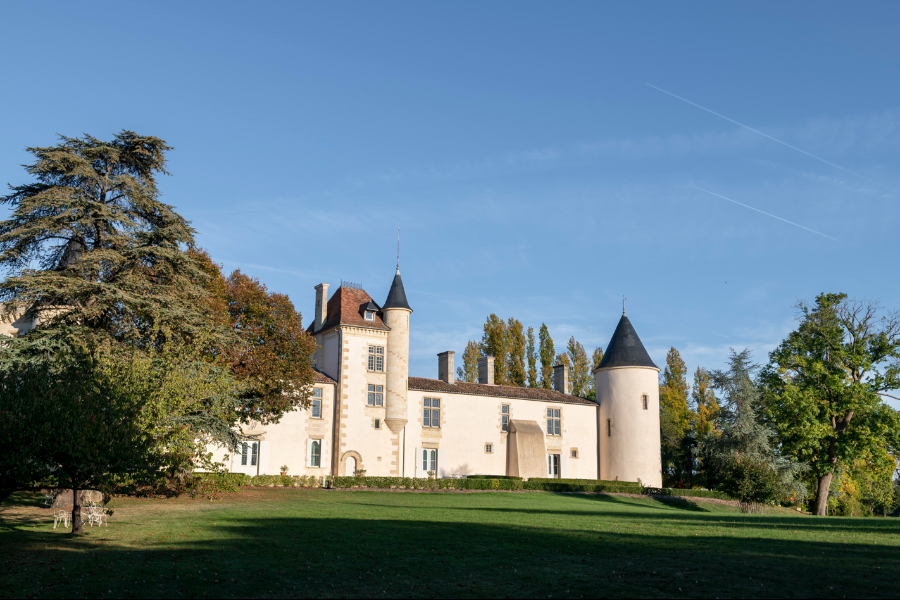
[(675, 418), (548, 355)]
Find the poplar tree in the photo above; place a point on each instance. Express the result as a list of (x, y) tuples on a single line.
[(825, 383), (495, 342), (580, 379), (596, 357), (531, 351), (675, 419), (469, 369), (516, 369), (706, 409), (547, 355)]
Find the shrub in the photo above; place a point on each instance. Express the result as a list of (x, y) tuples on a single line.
[(687, 493), (752, 482), (493, 477)]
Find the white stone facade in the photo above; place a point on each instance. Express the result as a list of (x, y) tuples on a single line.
[(373, 414)]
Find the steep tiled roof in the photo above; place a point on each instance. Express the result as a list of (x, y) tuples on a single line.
[(320, 377), (346, 307), (497, 391), (625, 349)]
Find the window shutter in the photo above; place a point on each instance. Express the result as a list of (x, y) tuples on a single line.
[(562, 465), (309, 453), (440, 470), (262, 458), (323, 456), (417, 463)]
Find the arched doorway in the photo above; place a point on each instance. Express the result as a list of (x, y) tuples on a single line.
[(350, 469)]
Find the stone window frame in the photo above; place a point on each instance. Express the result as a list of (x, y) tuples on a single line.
[(504, 427), (375, 363), (573, 453), (553, 417), (370, 315), (316, 402), (376, 423), (375, 394), (488, 448), (645, 401)]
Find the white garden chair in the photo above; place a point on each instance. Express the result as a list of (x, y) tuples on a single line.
[(60, 513)]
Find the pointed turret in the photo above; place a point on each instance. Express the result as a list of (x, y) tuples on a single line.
[(396, 298), (625, 348)]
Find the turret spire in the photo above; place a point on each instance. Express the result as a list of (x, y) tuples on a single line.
[(398, 251)]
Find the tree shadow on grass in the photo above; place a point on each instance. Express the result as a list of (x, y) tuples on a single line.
[(226, 555)]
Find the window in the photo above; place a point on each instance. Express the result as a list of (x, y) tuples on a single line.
[(553, 421), (253, 448), (317, 403), (315, 454), (574, 453), (432, 415), (377, 423), (370, 315), (376, 358), (429, 460), (376, 395), (488, 448), (608, 428), (645, 400), (553, 465), (504, 412)]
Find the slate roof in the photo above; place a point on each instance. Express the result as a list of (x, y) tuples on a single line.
[(625, 349), (396, 298), (422, 384), (346, 307)]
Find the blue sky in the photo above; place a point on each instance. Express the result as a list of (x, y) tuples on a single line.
[(532, 170)]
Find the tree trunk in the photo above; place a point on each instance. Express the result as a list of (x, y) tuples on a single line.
[(821, 507), (76, 512)]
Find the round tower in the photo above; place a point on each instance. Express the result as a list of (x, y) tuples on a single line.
[(395, 314), (627, 385)]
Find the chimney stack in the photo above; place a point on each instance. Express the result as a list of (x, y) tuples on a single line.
[(321, 306), (486, 370), (561, 378), (446, 372)]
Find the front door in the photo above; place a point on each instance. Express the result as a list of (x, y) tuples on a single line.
[(553, 465), (350, 469)]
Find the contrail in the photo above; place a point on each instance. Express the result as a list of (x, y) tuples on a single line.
[(765, 213), (766, 135)]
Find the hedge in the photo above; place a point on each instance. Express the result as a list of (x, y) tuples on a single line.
[(493, 477), (687, 493)]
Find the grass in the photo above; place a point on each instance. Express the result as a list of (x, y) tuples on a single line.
[(277, 542)]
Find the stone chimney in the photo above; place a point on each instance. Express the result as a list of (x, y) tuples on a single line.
[(486, 370), (321, 306), (561, 378), (446, 370)]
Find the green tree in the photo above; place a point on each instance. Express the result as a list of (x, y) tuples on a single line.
[(547, 354), (706, 409), (495, 342), (531, 352), (79, 416), (825, 382), (596, 357), (516, 373), (580, 379), (675, 421), (469, 370), (744, 459), (109, 253)]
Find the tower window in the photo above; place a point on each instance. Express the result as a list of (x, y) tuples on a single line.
[(488, 448), (376, 358), (645, 400), (574, 453), (376, 395), (504, 417), (553, 419), (377, 423), (608, 428)]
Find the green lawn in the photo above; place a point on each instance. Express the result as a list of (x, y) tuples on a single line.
[(321, 543)]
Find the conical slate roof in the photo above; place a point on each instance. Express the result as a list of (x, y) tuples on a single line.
[(625, 349), (397, 296)]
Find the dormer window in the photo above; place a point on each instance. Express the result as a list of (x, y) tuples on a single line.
[(370, 315)]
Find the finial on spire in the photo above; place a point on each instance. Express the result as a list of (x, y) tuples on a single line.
[(398, 251), (623, 305)]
